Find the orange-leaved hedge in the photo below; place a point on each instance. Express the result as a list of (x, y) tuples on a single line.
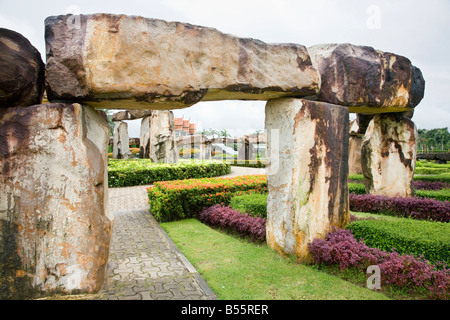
[(181, 199)]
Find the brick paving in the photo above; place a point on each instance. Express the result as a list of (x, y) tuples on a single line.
[(144, 264)]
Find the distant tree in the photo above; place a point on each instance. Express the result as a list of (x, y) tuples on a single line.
[(109, 113), (203, 132), (212, 132), (258, 132), (434, 139), (224, 133)]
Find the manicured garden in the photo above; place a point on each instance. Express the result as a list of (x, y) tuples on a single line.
[(408, 238), (219, 224)]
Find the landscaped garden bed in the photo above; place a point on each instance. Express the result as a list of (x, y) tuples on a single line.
[(410, 244)]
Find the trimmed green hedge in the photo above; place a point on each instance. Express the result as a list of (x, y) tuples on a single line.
[(407, 236), (357, 188), (430, 170), (441, 195), (249, 163), (442, 177), (253, 204), (176, 200), (135, 172)]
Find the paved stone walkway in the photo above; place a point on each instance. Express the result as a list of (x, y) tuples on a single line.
[(144, 263)]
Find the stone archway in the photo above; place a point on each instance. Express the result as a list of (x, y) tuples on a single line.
[(55, 224)]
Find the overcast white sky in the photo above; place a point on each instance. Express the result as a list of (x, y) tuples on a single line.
[(419, 30)]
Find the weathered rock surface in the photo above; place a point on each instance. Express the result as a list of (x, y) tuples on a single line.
[(246, 151), (389, 155), (22, 71), (158, 137), (366, 80), (121, 141), (119, 61), (55, 225), (131, 115), (308, 190), (354, 149)]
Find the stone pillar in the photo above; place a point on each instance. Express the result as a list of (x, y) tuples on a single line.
[(162, 137), (121, 141), (354, 149), (157, 137), (246, 151), (55, 225), (389, 155), (144, 138), (308, 191)]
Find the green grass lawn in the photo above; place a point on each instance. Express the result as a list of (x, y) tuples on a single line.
[(239, 270)]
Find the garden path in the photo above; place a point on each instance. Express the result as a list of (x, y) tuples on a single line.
[(144, 264)]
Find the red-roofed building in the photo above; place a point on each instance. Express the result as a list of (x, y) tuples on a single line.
[(184, 127)]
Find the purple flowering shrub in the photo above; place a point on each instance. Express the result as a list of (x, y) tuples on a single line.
[(340, 248), (417, 208), (228, 218), (430, 185)]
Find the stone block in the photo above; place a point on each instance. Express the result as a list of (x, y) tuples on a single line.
[(389, 150), (22, 71), (55, 225), (118, 61), (307, 176), (366, 80)]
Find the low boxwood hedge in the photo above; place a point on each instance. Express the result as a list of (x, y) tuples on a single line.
[(254, 205), (134, 172), (407, 236)]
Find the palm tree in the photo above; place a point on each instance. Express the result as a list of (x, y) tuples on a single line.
[(203, 132), (224, 133), (212, 132)]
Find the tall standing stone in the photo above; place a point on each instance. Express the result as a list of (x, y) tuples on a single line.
[(157, 137), (55, 225), (308, 191), (121, 141), (21, 71), (389, 150), (246, 150), (162, 137), (354, 149)]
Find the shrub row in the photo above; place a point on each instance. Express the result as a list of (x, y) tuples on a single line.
[(443, 177), (175, 200), (430, 185), (417, 208), (441, 195), (428, 190), (429, 170), (254, 205), (226, 218), (431, 164), (249, 163), (133, 172), (407, 236), (341, 248)]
